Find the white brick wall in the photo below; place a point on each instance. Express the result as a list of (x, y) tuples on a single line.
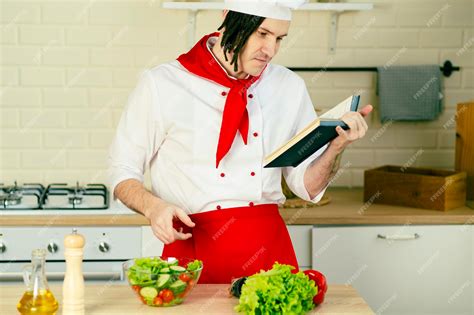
[(67, 68)]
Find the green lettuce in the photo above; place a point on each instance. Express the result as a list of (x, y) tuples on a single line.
[(194, 265), (277, 291)]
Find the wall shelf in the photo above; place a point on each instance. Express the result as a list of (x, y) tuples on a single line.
[(334, 8), (309, 6)]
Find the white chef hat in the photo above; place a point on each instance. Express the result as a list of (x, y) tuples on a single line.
[(274, 9)]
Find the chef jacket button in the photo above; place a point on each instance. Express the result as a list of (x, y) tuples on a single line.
[(224, 93), (252, 174), (250, 95), (218, 207), (222, 174), (251, 204), (255, 134)]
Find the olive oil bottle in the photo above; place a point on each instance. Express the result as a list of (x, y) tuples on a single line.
[(37, 299)]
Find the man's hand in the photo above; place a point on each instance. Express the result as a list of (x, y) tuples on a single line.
[(161, 215), (358, 128), (323, 169)]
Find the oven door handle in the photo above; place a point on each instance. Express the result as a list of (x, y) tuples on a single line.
[(88, 275)]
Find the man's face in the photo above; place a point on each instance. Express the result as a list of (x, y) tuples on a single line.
[(262, 46)]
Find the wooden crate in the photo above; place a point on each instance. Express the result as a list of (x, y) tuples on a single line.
[(415, 187), (465, 144)]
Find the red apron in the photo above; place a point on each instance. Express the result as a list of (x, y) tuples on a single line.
[(235, 242)]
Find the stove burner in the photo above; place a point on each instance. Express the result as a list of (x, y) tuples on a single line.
[(12, 196), (75, 200), (12, 199), (78, 197)]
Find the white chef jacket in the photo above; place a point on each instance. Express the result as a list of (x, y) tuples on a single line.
[(172, 123)]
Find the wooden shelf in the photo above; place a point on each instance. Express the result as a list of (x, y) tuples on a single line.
[(308, 7)]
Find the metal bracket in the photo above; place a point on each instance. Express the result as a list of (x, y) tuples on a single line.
[(192, 27), (333, 32)]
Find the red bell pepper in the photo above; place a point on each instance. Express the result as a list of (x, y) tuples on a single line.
[(320, 281)]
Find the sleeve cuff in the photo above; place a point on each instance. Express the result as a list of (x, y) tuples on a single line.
[(319, 196), (298, 181)]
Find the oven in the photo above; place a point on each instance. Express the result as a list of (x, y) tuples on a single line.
[(106, 247)]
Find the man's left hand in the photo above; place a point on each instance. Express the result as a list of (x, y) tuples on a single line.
[(358, 128)]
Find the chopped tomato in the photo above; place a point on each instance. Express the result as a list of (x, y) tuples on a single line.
[(158, 301), (183, 294), (136, 288), (166, 295), (184, 277)]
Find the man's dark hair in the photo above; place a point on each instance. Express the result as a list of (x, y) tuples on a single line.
[(238, 28)]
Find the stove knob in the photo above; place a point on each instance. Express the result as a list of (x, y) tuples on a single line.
[(52, 247), (104, 247), (3, 248)]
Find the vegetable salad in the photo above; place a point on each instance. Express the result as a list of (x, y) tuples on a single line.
[(163, 282)]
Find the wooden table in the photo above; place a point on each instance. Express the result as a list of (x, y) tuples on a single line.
[(116, 299)]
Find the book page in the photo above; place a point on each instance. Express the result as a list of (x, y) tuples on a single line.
[(339, 110)]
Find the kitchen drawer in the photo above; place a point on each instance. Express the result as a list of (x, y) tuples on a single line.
[(431, 274)]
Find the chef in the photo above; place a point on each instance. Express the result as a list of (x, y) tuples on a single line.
[(203, 125)]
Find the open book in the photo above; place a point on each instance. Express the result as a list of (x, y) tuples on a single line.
[(313, 137)]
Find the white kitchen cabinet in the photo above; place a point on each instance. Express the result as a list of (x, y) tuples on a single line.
[(151, 245), (300, 236), (429, 274)]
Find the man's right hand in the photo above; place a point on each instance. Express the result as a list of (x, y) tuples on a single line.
[(161, 215)]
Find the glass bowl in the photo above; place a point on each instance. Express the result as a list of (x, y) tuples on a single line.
[(162, 281)]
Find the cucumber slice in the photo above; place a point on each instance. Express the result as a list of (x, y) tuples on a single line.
[(178, 286), (149, 292), (165, 270), (146, 283), (178, 283), (162, 280), (178, 268)]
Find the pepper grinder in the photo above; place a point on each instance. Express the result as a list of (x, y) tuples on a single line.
[(73, 286)]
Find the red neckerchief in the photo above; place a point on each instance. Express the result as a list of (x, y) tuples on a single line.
[(200, 61)]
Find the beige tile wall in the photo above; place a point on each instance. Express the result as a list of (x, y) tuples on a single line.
[(67, 68)]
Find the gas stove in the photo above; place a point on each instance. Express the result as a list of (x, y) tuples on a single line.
[(107, 247), (32, 198)]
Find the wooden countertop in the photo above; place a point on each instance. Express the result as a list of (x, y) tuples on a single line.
[(205, 298), (346, 208)]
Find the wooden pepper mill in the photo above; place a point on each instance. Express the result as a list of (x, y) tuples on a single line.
[(73, 286)]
